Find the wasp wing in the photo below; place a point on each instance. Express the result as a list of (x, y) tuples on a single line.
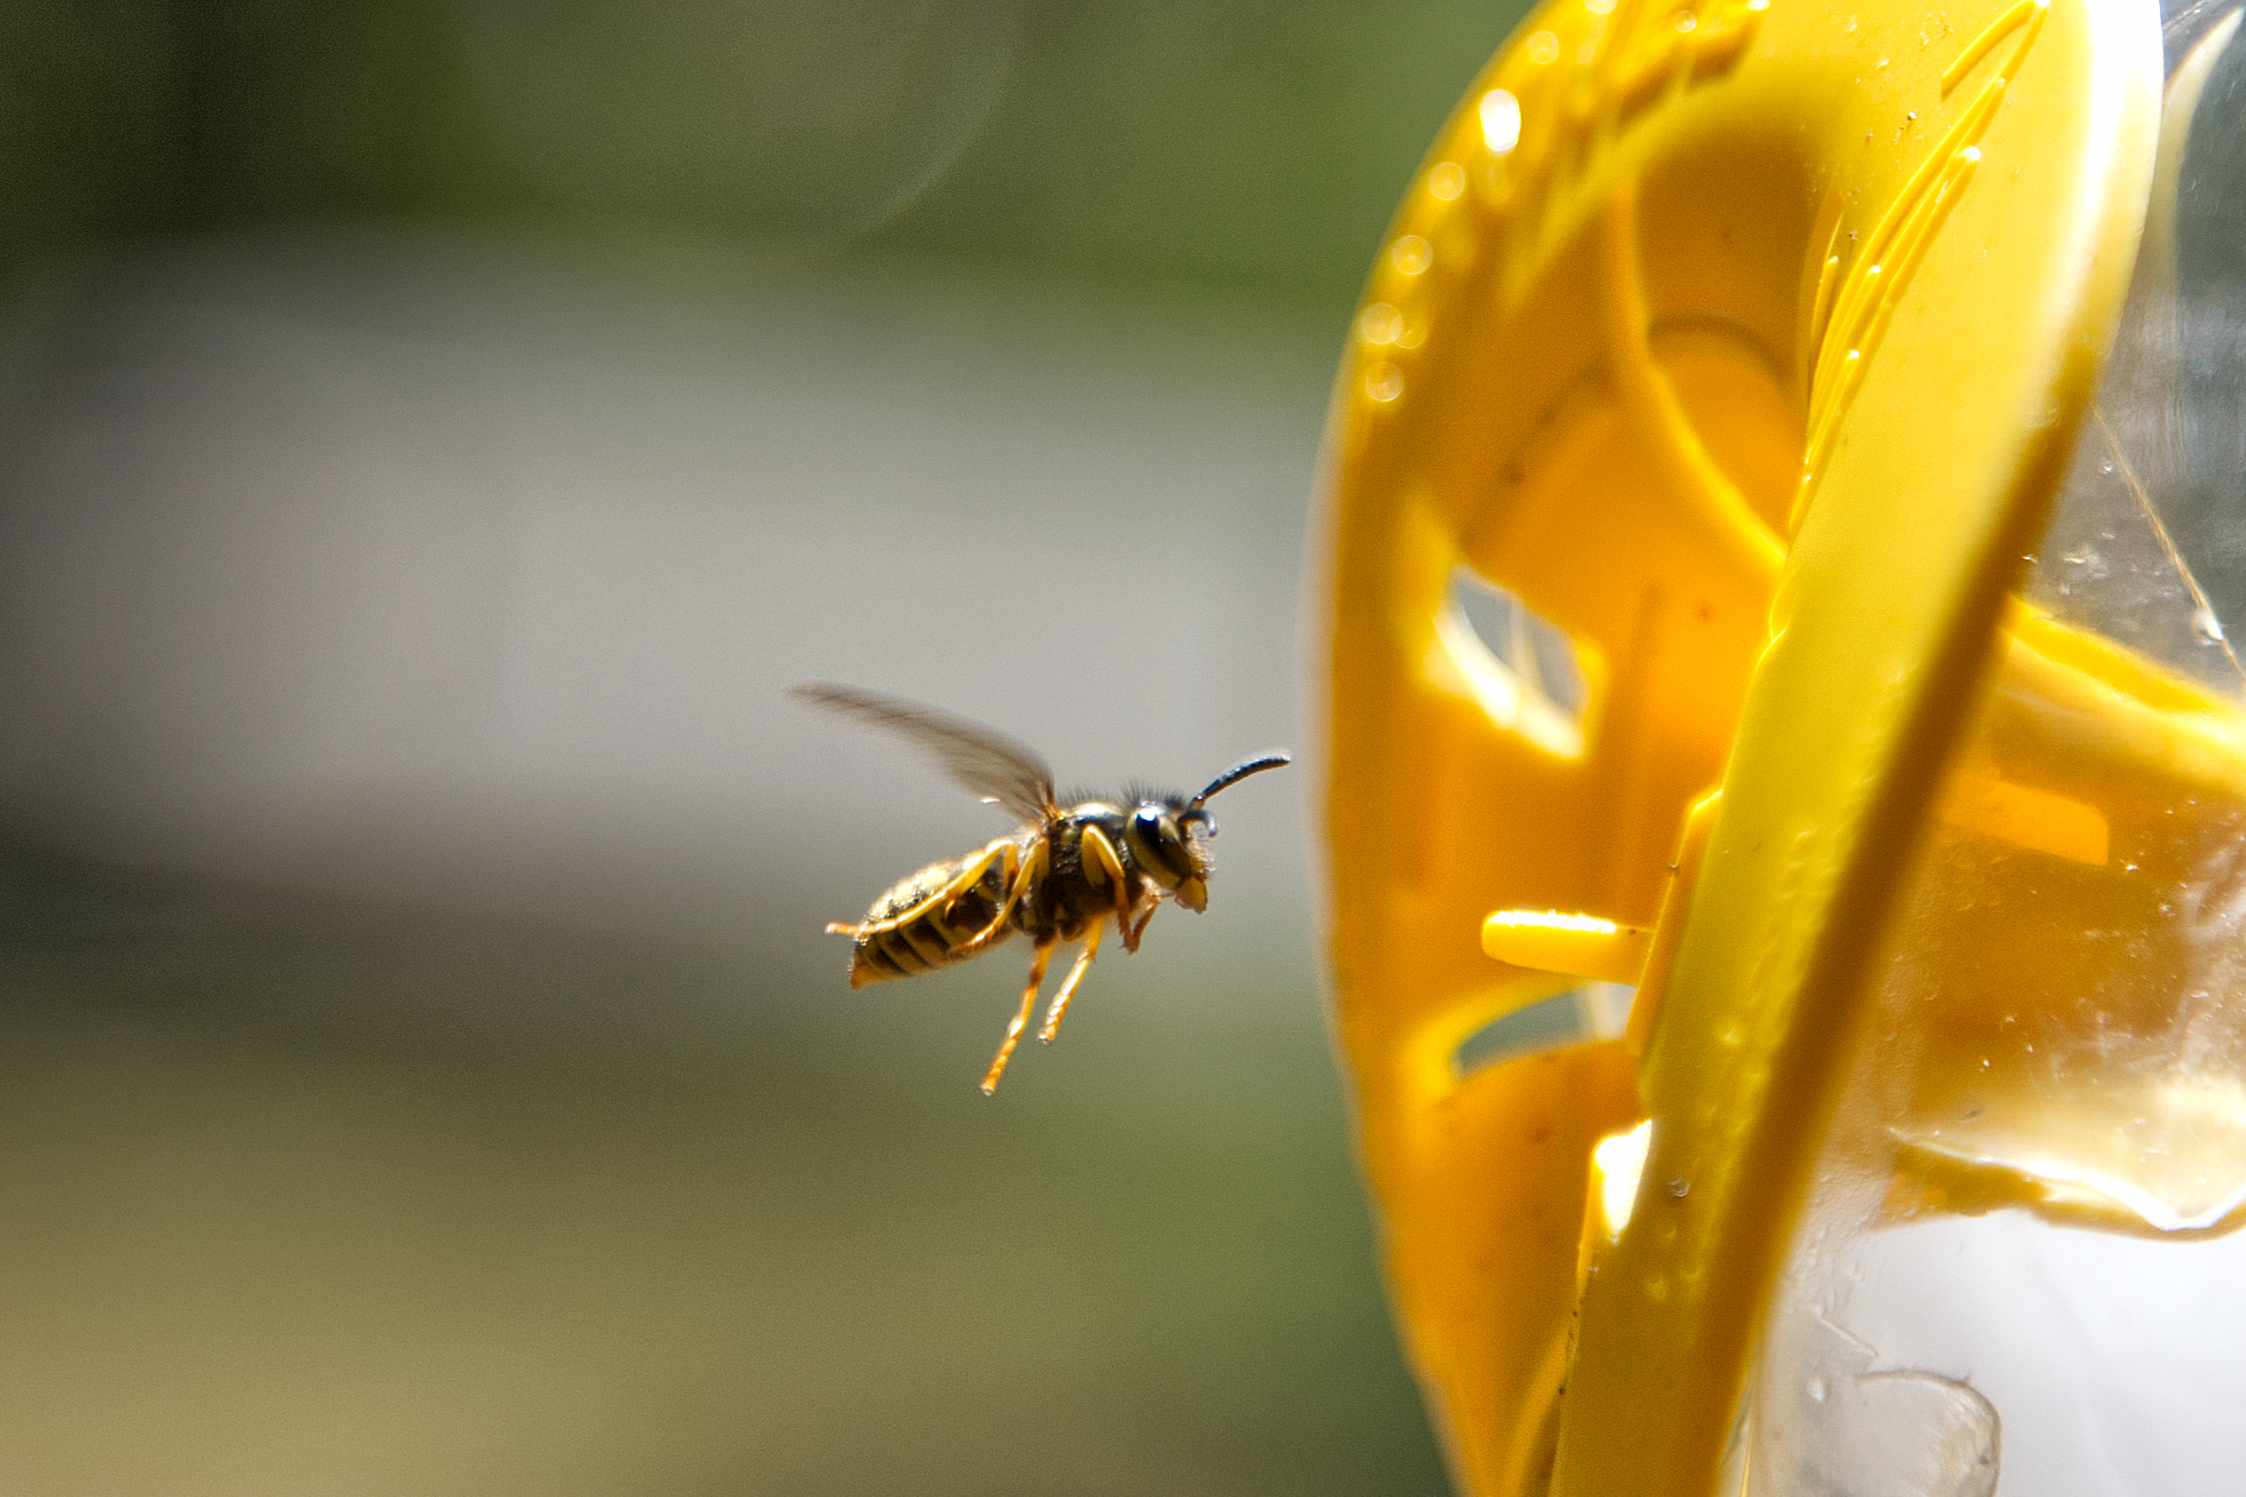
[(983, 760)]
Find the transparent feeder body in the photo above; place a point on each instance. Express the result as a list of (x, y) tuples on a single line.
[(2019, 1271)]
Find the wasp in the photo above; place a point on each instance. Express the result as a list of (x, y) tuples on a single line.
[(1059, 876)]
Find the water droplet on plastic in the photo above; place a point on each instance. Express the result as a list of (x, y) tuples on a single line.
[(2207, 626), (1680, 1188), (1411, 254), (1384, 382), (1818, 1390)]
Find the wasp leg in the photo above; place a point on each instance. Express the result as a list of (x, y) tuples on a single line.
[(1069, 984), (1021, 1019), (1101, 851), (1002, 852), (1032, 869)]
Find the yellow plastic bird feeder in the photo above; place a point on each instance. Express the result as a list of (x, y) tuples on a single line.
[(1808, 869)]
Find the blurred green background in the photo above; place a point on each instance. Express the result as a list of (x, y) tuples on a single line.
[(435, 436)]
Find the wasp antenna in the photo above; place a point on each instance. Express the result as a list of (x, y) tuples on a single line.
[(1241, 771)]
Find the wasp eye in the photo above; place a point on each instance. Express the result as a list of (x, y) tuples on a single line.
[(1159, 844)]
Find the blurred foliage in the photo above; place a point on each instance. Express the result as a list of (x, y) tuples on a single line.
[(1254, 144)]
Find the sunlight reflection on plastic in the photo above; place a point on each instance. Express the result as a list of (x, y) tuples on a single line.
[(1501, 120), (1617, 1161)]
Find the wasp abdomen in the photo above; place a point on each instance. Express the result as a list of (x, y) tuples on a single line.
[(935, 935)]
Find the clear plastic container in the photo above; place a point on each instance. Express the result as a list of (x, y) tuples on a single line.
[(2019, 1269)]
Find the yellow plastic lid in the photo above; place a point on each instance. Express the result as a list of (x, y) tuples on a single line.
[(1781, 857)]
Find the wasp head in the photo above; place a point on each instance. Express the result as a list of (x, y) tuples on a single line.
[(1168, 837)]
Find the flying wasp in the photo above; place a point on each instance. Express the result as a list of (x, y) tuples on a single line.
[(1059, 876)]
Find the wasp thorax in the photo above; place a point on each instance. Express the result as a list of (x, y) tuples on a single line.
[(1161, 841)]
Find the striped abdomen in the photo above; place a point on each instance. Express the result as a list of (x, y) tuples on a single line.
[(932, 937)]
